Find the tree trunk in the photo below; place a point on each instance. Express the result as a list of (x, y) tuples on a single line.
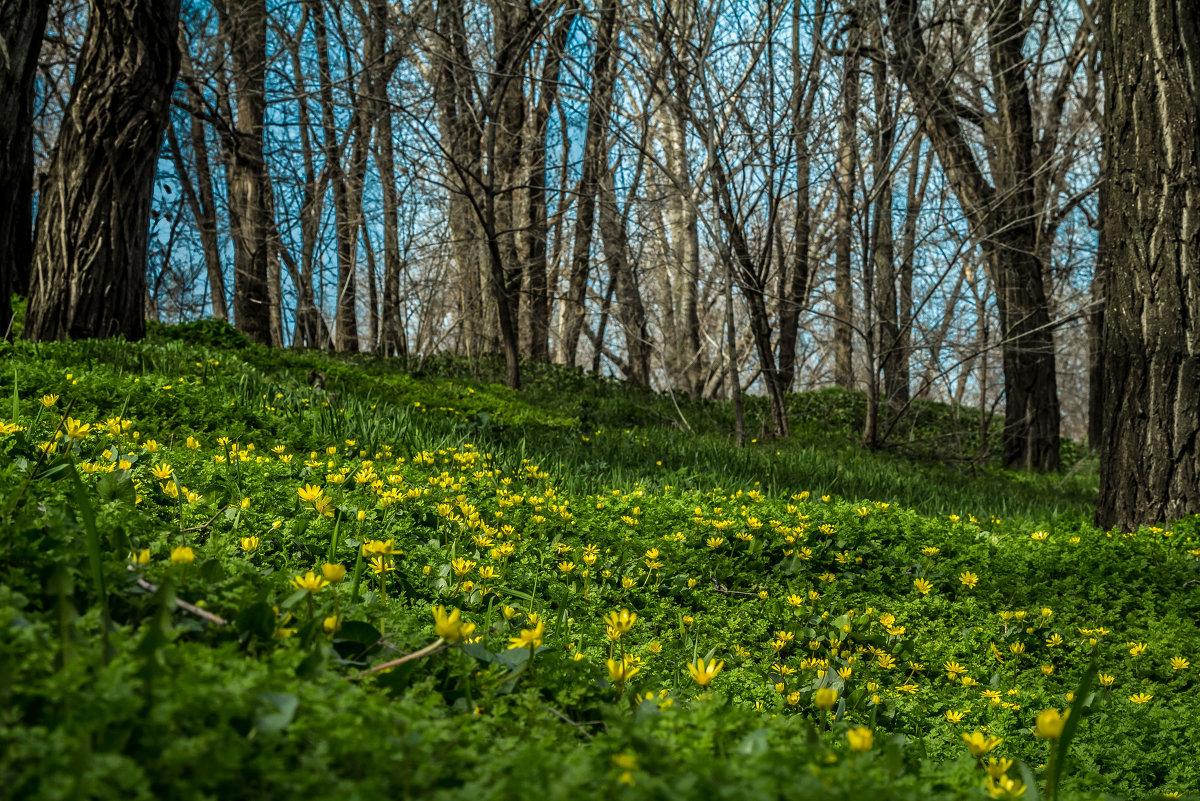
[(630, 310), (1150, 451), (595, 163), (535, 306), (1003, 218), (89, 263), (22, 24), (795, 279), (846, 170), (244, 27), (344, 183)]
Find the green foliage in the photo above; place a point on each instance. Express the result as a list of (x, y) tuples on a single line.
[(163, 636)]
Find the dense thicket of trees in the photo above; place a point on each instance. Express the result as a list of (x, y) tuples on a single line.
[(710, 197)]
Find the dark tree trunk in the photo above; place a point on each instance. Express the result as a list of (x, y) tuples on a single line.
[(1003, 218), (1150, 449), (244, 27), (89, 263), (22, 23)]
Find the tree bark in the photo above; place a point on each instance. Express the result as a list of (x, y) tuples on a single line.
[(89, 263), (1150, 449), (244, 27), (535, 305), (1004, 218), (630, 310), (22, 24), (846, 171)]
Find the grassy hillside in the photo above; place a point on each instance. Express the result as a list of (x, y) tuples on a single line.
[(216, 581)]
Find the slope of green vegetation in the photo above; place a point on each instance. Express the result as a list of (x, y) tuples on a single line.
[(219, 581)]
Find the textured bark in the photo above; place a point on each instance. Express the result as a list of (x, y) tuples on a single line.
[(845, 172), (595, 164), (1004, 218), (22, 23), (244, 28), (535, 295), (89, 263), (883, 251), (1150, 449)]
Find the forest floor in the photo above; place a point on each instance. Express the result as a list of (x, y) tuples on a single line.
[(219, 581)]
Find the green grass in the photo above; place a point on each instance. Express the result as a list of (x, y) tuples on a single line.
[(439, 459)]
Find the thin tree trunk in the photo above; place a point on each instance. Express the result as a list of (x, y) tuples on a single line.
[(846, 171), (89, 262), (794, 293), (595, 158), (630, 310), (535, 308)]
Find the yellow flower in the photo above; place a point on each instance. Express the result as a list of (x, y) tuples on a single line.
[(332, 624), (310, 493), (654, 647), (1004, 787), (1141, 698), (620, 622), (310, 582), (192, 497), (462, 566), (860, 739), (922, 586), (1050, 724), (825, 698), (161, 471), (488, 573), (627, 583), (380, 564), (714, 542), (529, 638), (140, 558), (182, 555), (566, 566), (997, 767), (192, 443), (968, 579), (1105, 679), (77, 429), (1179, 663), (621, 670), (1137, 648), (450, 626), (1054, 640), (954, 717), (333, 572), (980, 744), (48, 400), (250, 544), (702, 673)]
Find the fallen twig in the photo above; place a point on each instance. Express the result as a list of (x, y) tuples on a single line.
[(184, 605)]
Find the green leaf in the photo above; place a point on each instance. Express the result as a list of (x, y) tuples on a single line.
[(276, 713), (752, 744), (359, 632), (258, 620)]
